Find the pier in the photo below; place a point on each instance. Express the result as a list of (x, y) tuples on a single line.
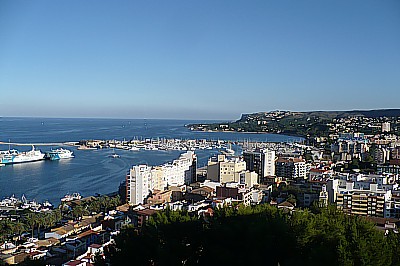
[(34, 144)]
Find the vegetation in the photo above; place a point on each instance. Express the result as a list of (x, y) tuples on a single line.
[(28, 222), (92, 206), (42, 220), (35, 222), (258, 235), (305, 124)]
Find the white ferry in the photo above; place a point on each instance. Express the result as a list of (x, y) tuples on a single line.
[(60, 154), (14, 156)]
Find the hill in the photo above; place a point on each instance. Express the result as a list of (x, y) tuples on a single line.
[(309, 124)]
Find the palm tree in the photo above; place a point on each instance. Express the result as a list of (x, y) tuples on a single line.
[(78, 211), (31, 221), (48, 220), (57, 215), (40, 221), (19, 228)]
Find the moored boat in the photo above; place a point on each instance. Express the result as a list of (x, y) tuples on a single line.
[(71, 197), (60, 154), (14, 156)]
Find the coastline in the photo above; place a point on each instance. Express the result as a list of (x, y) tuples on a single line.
[(249, 132)]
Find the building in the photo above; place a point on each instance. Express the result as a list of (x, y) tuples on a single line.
[(237, 192), (260, 161), (247, 178), (138, 184), (365, 203), (381, 155), (388, 169), (142, 180), (385, 127), (160, 197), (323, 197), (347, 149), (292, 168), (366, 195), (223, 170)]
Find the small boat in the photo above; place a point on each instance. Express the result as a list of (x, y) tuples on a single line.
[(114, 155), (230, 151)]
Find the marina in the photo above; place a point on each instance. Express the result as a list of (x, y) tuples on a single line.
[(162, 144), (16, 204)]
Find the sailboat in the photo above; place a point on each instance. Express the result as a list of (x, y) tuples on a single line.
[(229, 150)]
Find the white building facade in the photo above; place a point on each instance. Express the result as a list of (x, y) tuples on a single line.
[(141, 180)]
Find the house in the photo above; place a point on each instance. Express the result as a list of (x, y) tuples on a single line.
[(160, 197), (64, 231), (286, 206), (204, 191), (141, 216), (115, 220), (14, 258), (75, 247), (78, 263)]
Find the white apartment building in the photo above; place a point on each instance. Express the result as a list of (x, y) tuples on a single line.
[(139, 184), (141, 180), (247, 178)]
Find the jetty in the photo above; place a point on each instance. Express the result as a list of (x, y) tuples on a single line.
[(33, 144)]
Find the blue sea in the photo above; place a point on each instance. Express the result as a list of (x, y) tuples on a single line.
[(93, 171)]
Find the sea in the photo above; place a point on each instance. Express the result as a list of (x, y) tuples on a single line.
[(94, 172)]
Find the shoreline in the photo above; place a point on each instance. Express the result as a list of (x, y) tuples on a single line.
[(248, 132)]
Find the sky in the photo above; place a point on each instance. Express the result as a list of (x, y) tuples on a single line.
[(197, 59)]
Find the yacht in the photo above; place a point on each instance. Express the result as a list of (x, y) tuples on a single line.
[(74, 196)]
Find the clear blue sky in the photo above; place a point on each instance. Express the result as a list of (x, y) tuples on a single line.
[(197, 59)]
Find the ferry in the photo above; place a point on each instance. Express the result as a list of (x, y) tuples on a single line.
[(59, 154), (14, 156)]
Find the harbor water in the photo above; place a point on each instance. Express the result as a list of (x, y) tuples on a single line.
[(94, 171)]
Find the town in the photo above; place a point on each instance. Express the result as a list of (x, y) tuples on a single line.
[(356, 172)]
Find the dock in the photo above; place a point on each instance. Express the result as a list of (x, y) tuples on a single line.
[(33, 144)]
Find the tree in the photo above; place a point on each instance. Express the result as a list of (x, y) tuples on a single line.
[(326, 237), (31, 221)]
